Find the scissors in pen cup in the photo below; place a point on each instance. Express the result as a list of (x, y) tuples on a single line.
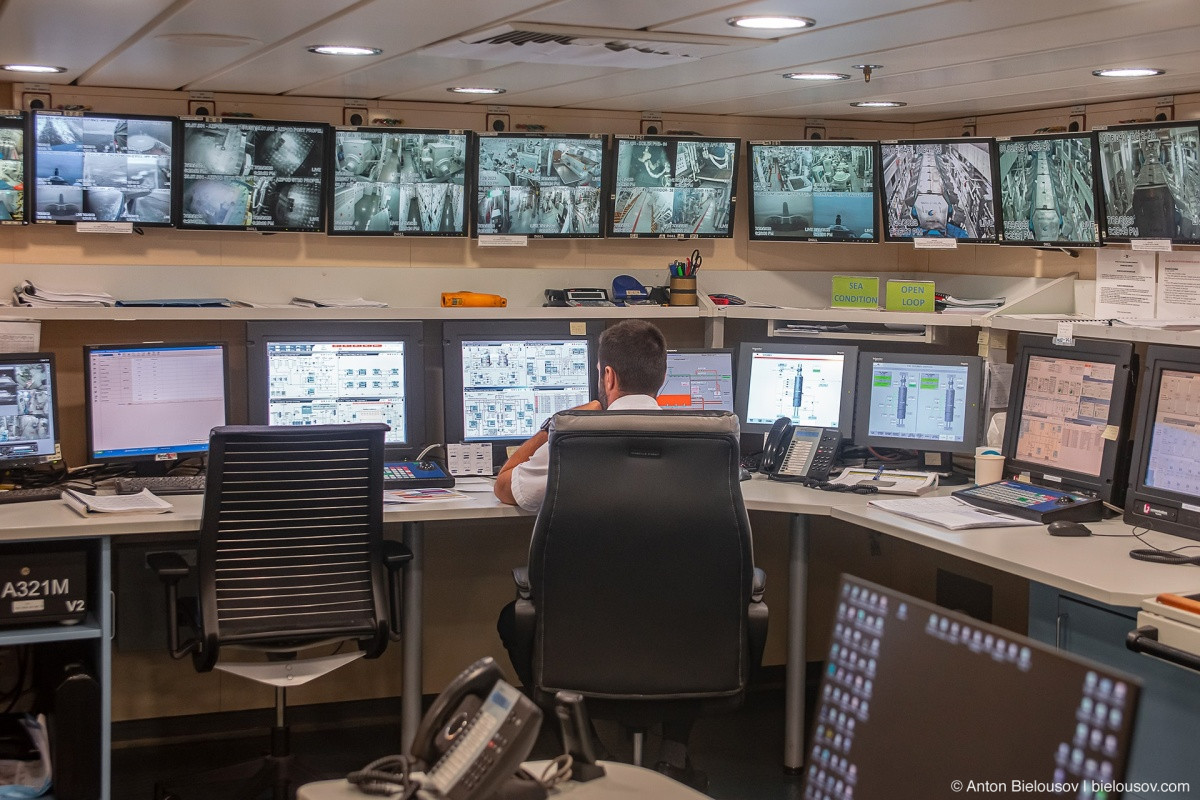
[(694, 262)]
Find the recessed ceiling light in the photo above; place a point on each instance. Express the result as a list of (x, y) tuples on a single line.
[(33, 68), (816, 76), (771, 22), (475, 90), (878, 104), (343, 50), (1128, 72)]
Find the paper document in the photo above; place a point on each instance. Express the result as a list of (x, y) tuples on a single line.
[(144, 502), (421, 495), (1124, 284), (950, 512), (888, 481), (480, 485)]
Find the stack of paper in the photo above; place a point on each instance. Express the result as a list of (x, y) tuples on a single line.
[(333, 302), (950, 512), (141, 503), (965, 305), (26, 294)]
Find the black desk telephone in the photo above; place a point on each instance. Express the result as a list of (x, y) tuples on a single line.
[(799, 453)]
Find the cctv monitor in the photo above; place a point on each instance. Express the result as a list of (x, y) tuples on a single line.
[(673, 187), (1151, 186), (29, 427), (813, 191), (1068, 414), (154, 403), (542, 185), (939, 188), (12, 168), (919, 701), (398, 182), (241, 174), (101, 168), (329, 373), (1048, 192), (699, 380), (812, 384)]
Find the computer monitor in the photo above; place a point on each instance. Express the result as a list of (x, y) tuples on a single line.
[(939, 188), (154, 403), (542, 185), (1048, 193), (327, 373), (701, 380), (1150, 181), (239, 174), (1068, 414), (813, 384), (12, 168), (813, 191), (673, 187), (398, 182), (101, 168), (918, 701), (1164, 487), (28, 410), (504, 379)]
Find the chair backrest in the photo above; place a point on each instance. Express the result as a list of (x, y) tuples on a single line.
[(641, 562), (291, 537)]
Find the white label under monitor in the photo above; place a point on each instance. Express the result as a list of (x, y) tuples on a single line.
[(935, 243), (1151, 245), (104, 227), (503, 241)]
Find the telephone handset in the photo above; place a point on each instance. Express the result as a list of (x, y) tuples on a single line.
[(799, 453)]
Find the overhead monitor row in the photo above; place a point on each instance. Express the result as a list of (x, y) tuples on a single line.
[(1071, 189)]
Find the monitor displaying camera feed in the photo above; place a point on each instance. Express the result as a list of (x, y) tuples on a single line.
[(1151, 182), (673, 187), (939, 188), (541, 185), (12, 168), (812, 191), (101, 168), (1048, 190), (239, 174), (392, 182)]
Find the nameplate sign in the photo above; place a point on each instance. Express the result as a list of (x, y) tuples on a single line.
[(909, 296), (851, 291)]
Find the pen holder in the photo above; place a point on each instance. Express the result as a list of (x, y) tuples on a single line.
[(683, 292)]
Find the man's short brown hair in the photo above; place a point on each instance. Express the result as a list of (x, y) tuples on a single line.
[(637, 351)]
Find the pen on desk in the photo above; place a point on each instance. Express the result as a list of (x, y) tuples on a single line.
[(878, 473)]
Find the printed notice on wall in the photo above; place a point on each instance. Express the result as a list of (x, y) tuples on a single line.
[(1124, 284), (1178, 285)]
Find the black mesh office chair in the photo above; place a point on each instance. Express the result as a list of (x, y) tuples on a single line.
[(291, 558), (641, 591)]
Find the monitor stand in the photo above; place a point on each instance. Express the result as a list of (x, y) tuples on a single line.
[(153, 469), (943, 465)]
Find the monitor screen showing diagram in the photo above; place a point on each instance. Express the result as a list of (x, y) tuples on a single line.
[(926, 403)]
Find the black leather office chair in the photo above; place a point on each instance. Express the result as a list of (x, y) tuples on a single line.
[(291, 558), (641, 591)]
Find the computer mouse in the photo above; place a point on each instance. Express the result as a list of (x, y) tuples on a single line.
[(1065, 527)]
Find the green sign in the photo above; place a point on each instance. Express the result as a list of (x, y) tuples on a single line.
[(909, 296), (850, 291)]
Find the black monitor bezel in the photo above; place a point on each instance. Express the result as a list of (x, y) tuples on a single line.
[(31, 163), (1097, 199), (605, 157), (56, 427), (19, 121), (876, 188), (973, 408), (742, 368), (177, 183), (612, 190), (706, 351), (331, 182), (87, 397), (883, 188), (1100, 175), (1109, 484), (411, 333)]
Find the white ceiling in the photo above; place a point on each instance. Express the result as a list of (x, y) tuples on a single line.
[(945, 58)]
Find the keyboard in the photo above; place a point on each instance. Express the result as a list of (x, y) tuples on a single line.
[(29, 495), (161, 484), (1039, 503)]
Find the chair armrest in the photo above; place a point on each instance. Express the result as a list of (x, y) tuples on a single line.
[(395, 556), (758, 586), (169, 566), (521, 579), (171, 569)]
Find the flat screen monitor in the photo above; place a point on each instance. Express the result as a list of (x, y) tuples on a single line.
[(1048, 193), (701, 380), (919, 401), (28, 410), (1068, 414), (239, 174), (939, 188), (813, 191), (397, 182), (314, 373), (1164, 485), (1150, 180), (154, 402), (12, 168), (916, 696), (101, 168), (541, 185), (673, 187), (813, 384)]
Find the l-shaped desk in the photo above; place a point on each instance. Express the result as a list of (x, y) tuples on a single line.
[(1093, 571)]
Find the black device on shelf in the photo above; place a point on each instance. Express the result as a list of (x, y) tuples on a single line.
[(13, 162), (813, 191), (29, 427), (1149, 181), (1048, 194), (670, 187), (1025, 500), (813, 384), (939, 188)]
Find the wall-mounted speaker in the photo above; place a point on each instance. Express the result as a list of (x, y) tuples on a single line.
[(35, 101), (651, 127), (202, 108), (354, 115), (498, 123)]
